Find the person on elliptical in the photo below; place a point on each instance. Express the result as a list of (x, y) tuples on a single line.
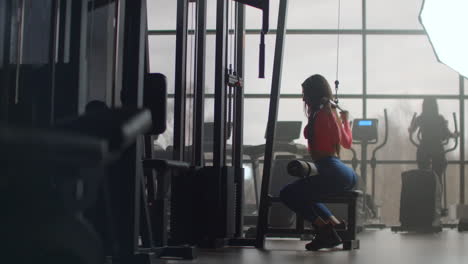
[(434, 131), (326, 132)]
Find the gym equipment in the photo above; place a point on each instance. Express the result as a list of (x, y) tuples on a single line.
[(280, 216), (64, 168), (157, 189), (62, 90), (155, 99), (160, 203), (265, 200), (365, 132), (228, 88), (262, 220), (287, 132), (300, 168), (203, 207), (348, 198), (421, 211), (365, 129), (263, 5), (443, 177), (148, 208)]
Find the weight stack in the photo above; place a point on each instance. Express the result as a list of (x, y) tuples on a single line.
[(203, 207)]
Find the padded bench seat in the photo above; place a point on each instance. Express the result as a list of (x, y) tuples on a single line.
[(342, 196), (302, 168), (350, 199), (348, 235)]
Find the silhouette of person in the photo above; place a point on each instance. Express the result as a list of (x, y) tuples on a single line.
[(433, 131)]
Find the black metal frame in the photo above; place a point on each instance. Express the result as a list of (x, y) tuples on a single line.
[(180, 80), (160, 196), (262, 222), (199, 96), (238, 110), (312, 32), (53, 57), (5, 68), (119, 17), (462, 199), (129, 172), (64, 75), (181, 152), (103, 54), (219, 146), (71, 72)]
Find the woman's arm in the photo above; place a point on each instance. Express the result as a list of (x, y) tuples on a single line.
[(414, 124), (449, 133), (346, 133)]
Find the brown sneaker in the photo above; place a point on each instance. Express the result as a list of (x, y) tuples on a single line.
[(326, 238)]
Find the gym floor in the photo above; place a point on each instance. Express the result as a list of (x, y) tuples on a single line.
[(377, 247)]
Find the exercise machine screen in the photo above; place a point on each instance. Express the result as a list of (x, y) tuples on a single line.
[(365, 129)]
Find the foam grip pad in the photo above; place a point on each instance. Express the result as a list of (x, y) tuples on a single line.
[(300, 168)]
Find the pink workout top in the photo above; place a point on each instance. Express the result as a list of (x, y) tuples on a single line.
[(328, 133)]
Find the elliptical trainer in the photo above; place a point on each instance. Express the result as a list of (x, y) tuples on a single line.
[(365, 132), (431, 201)]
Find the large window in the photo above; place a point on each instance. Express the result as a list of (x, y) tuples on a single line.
[(310, 54), (395, 14), (162, 15), (406, 64)]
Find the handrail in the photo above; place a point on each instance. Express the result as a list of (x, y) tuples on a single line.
[(411, 133), (456, 131), (385, 137)]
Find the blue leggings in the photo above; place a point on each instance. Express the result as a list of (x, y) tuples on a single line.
[(334, 177)]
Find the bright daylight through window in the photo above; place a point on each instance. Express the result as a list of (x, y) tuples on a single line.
[(446, 24)]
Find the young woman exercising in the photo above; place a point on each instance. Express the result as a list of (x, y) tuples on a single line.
[(325, 132), (434, 131)]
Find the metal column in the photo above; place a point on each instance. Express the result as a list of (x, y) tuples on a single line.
[(462, 140), (199, 108), (71, 91), (5, 76), (363, 164), (118, 51), (220, 86), (237, 145), (180, 80), (53, 60), (262, 222), (128, 171)]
